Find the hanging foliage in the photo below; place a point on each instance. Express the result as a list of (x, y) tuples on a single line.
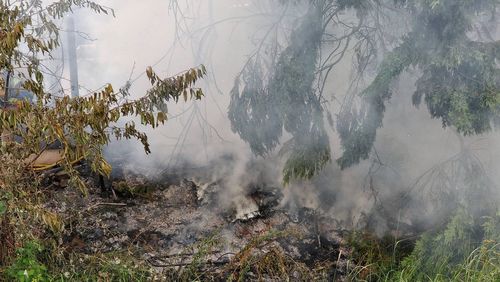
[(459, 81), (261, 110)]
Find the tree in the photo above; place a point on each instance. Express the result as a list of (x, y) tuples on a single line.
[(83, 125), (259, 112), (458, 79)]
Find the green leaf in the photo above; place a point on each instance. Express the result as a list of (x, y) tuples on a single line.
[(3, 207)]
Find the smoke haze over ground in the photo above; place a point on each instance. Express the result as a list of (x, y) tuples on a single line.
[(258, 140), (222, 35)]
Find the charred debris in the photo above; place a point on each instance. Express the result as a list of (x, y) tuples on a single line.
[(177, 219)]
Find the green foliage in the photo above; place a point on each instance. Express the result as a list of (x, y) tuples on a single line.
[(358, 128), (458, 79), (35, 262), (3, 208), (252, 111), (483, 264), (459, 75), (453, 207), (260, 112), (375, 256), (27, 266), (304, 162), (439, 253), (458, 82), (466, 249)]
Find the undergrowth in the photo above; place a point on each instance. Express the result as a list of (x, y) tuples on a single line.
[(119, 267), (467, 249), (35, 262), (261, 259)]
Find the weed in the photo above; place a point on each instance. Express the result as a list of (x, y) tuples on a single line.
[(27, 266), (119, 267)]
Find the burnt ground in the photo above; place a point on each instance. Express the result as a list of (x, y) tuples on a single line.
[(165, 222)]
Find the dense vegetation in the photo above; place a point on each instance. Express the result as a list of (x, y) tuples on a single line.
[(82, 126), (279, 94), (456, 73)]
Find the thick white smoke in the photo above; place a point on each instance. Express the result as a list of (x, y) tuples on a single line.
[(221, 35)]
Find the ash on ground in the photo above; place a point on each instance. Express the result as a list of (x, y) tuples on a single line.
[(167, 222)]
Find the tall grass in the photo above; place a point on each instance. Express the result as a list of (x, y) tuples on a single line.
[(463, 251)]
